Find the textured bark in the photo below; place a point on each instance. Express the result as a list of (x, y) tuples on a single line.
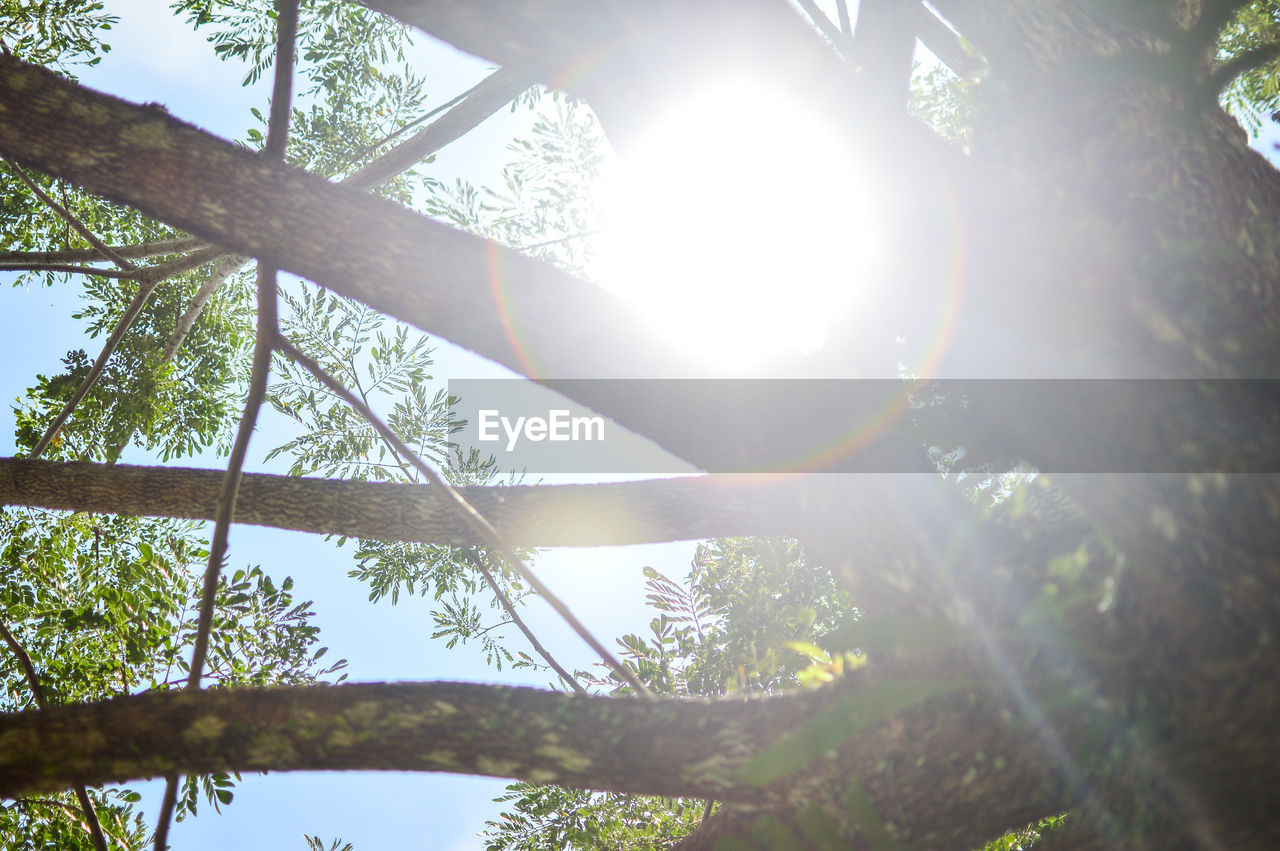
[(527, 516)]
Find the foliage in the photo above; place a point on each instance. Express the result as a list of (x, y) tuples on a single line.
[(57, 33), (550, 817), (548, 205), (106, 605), (1256, 93), (943, 101), (753, 615)]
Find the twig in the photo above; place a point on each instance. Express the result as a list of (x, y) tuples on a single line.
[(509, 607), (37, 692), (148, 279), (268, 332), (138, 251), (404, 464), (466, 513), (69, 269), (102, 248)]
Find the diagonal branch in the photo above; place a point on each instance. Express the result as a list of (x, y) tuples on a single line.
[(471, 108), (466, 513), (507, 606), (830, 30), (148, 280), (101, 247)]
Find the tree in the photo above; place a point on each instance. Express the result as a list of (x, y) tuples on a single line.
[(1099, 644)]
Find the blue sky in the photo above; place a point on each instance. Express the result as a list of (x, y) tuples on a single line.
[(157, 58)]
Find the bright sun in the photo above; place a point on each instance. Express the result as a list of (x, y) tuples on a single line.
[(736, 227)]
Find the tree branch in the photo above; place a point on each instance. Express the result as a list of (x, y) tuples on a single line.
[(70, 218), (69, 269), (527, 516), (507, 606), (268, 332), (943, 42), (148, 280), (466, 513), (140, 251)]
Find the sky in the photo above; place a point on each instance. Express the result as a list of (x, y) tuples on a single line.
[(157, 58)]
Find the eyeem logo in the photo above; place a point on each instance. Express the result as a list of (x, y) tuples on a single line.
[(556, 426)]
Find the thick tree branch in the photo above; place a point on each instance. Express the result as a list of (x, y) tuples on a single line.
[(946, 45), (727, 750), (527, 516)]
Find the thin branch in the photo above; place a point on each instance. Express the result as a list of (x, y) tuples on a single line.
[(829, 29), (70, 218), (405, 464), (1250, 60), (846, 26), (268, 332), (148, 280), (467, 514), (37, 692), (168, 803), (69, 269), (510, 609), (584, 235), (24, 661), (465, 112), (138, 251), (51, 802)]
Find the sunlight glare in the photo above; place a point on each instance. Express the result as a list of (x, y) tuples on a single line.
[(736, 227)]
